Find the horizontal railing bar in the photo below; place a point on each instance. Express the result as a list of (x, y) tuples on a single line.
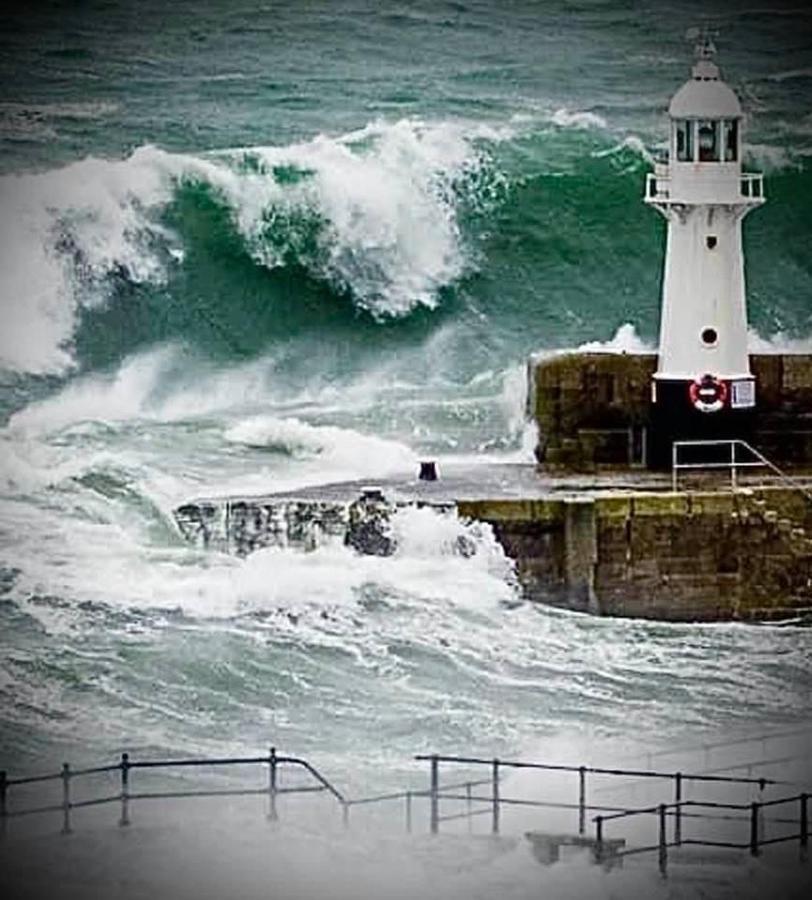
[(381, 798), (154, 764), (632, 850), (704, 804), (720, 465), (780, 800), (181, 763), (696, 842), (461, 784), (10, 814), (95, 770), (778, 840), (464, 815), (402, 795), (631, 773), (541, 804), (98, 801), (176, 795), (33, 779), (622, 814), (713, 804), (715, 442)]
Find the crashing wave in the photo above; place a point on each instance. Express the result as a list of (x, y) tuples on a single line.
[(373, 213)]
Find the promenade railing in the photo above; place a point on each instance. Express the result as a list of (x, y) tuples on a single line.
[(481, 796)]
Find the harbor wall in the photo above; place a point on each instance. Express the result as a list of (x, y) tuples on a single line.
[(691, 556), (698, 556), (594, 409)]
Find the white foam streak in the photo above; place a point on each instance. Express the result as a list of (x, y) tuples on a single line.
[(61, 234), (385, 198), (579, 119), (373, 213), (778, 343), (624, 340), (337, 449)]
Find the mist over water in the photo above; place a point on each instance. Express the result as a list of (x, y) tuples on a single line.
[(247, 249)]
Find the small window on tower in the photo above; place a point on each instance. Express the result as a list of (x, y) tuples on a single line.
[(709, 337), (711, 241), (708, 141), (730, 139), (685, 141)]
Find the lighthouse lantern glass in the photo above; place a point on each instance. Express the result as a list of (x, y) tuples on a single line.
[(685, 140), (730, 139), (708, 140)]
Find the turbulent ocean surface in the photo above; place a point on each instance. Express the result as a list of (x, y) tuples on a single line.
[(251, 247)]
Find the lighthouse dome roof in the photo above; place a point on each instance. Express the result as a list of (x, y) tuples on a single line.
[(705, 96)]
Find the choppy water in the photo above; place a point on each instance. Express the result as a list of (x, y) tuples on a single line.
[(245, 248)]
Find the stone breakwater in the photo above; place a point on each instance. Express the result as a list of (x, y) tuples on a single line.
[(698, 556), (693, 556), (594, 409), (591, 528)]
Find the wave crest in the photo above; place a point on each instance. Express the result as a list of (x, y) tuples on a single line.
[(373, 213)]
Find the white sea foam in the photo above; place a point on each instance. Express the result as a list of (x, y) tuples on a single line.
[(381, 204), (61, 234), (385, 198), (630, 142), (778, 343), (624, 340), (581, 119), (336, 448)]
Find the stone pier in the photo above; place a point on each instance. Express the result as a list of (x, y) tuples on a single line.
[(594, 409)]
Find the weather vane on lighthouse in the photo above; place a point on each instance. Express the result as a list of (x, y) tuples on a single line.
[(703, 386)]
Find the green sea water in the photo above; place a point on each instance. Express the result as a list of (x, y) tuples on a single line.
[(255, 246)]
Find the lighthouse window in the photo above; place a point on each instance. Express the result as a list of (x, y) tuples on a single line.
[(711, 241), (685, 141), (709, 337), (708, 141), (730, 139)]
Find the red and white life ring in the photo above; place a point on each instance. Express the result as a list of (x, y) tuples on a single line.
[(708, 394)]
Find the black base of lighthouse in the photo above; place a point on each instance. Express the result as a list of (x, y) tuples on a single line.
[(674, 417)]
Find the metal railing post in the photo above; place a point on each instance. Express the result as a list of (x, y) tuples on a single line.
[(495, 790), (434, 825), (678, 808), (581, 799), (469, 806), (124, 818), (804, 823), (66, 799), (345, 813), (663, 843), (599, 839), (408, 812), (754, 816), (674, 460), (3, 809), (733, 465), (272, 813)]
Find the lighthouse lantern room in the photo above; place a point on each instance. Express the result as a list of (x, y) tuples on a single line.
[(703, 387)]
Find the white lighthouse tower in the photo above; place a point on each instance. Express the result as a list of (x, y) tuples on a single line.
[(703, 386)]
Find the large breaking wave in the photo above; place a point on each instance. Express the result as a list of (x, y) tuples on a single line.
[(372, 214), (233, 251)]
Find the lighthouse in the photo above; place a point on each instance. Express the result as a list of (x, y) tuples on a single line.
[(703, 387)]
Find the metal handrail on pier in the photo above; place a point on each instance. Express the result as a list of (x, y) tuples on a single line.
[(731, 462), (754, 817), (491, 802), (125, 795), (496, 800)]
